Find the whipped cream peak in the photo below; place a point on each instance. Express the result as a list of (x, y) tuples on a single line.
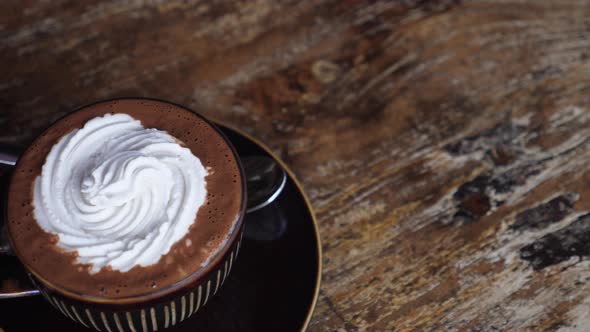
[(119, 194)]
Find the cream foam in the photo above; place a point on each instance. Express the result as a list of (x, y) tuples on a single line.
[(118, 194)]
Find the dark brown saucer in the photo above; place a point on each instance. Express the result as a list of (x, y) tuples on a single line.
[(273, 287)]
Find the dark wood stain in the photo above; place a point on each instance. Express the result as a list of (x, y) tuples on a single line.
[(556, 247)]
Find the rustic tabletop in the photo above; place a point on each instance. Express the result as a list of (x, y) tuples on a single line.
[(445, 145)]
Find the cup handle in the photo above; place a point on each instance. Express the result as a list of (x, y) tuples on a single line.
[(14, 282)]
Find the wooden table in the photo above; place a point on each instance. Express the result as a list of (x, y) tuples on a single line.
[(445, 145)]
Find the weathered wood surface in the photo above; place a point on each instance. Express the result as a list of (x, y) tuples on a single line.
[(445, 145)]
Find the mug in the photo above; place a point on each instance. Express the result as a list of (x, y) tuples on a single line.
[(165, 308)]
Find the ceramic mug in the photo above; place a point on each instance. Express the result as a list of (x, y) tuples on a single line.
[(153, 311)]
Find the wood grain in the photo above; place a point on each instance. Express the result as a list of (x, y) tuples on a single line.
[(444, 144)]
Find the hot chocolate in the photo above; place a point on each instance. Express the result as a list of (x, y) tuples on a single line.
[(124, 199)]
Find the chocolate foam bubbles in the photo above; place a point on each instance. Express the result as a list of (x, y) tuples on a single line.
[(118, 194)]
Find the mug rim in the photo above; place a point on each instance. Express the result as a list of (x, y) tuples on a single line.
[(194, 279)]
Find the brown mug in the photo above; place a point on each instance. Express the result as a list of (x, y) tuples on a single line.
[(170, 306)]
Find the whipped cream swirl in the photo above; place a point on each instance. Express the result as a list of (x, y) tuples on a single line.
[(118, 194)]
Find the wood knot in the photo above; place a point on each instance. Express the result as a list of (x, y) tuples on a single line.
[(472, 199)]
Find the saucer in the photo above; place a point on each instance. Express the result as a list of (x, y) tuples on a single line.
[(273, 286)]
